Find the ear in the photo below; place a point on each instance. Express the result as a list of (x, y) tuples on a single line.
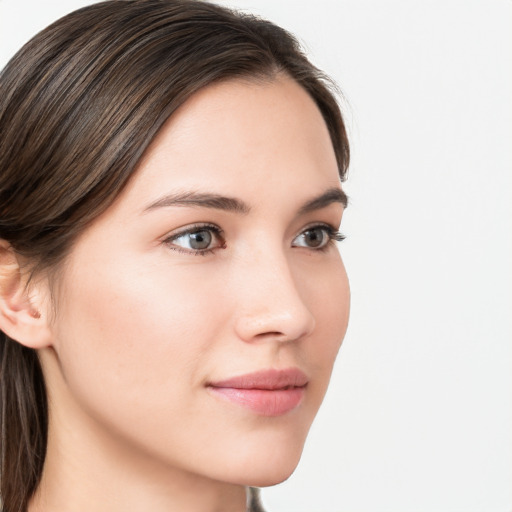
[(22, 308)]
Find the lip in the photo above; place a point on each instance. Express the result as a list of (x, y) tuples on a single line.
[(267, 392)]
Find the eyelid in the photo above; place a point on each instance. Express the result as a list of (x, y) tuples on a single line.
[(319, 224), (326, 225)]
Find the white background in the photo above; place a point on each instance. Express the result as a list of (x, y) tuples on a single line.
[(419, 415)]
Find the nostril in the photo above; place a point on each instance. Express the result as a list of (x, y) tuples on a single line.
[(273, 336)]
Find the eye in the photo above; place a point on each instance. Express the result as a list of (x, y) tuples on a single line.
[(198, 239), (317, 237)]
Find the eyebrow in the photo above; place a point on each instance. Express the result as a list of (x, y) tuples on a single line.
[(331, 195), (231, 204), (204, 200)]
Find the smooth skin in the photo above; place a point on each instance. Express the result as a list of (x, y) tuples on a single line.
[(171, 289)]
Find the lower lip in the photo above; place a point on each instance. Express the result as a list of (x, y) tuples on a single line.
[(266, 402)]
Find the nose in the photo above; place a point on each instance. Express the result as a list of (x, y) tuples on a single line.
[(269, 304)]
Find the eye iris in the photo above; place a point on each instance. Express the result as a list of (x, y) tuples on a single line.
[(200, 239), (314, 237)]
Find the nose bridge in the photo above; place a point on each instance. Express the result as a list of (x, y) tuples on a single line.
[(269, 304)]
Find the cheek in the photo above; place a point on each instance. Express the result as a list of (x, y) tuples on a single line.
[(329, 301), (132, 335)]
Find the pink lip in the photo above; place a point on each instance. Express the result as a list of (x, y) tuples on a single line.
[(267, 392)]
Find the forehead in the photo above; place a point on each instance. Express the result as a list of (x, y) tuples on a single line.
[(241, 137)]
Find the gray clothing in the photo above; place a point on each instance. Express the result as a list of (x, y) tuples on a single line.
[(254, 501)]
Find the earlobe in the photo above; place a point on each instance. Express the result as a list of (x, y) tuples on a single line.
[(21, 308)]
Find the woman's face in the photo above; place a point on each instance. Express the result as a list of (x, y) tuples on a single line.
[(198, 319)]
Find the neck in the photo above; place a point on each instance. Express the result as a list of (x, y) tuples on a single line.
[(77, 479)]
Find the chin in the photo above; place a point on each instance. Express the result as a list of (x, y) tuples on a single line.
[(267, 464), (268, 476), (272, 477)]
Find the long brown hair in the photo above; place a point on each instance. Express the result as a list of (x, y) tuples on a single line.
[(79, 105)]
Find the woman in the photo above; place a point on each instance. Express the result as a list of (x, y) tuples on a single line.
[(171, 297)]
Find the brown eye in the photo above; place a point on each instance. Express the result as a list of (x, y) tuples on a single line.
[(313, 238)]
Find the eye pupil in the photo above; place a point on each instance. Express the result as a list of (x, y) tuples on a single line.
[(314, 237), (200, 239)]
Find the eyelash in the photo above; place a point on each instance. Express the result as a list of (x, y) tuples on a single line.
[(333, 234)]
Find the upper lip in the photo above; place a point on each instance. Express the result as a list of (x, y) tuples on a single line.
[(271, 379)]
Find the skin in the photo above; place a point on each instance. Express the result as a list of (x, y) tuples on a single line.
[(142, 323)]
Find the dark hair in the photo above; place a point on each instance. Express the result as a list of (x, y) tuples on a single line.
[(79, 105)]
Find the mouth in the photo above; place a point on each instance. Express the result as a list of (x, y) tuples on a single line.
[(267, 392)]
